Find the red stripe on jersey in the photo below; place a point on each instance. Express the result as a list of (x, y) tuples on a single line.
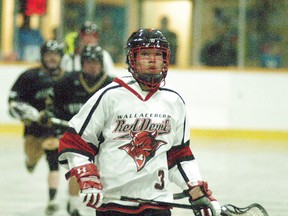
[(74, 141), (152, 91), (130, 209), (176, 154)]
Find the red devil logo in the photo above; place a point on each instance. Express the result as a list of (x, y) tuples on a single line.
[(142, 147)]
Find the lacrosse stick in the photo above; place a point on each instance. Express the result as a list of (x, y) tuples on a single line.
[(24, 111), (254, 209), (59, 122), (147, 201), (226, 210)]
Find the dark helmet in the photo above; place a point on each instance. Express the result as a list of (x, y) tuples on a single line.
[(92, 53), (52, 46), (89, 28), (142, 39)]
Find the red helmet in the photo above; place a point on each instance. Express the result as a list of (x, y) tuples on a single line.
[(143, 39)]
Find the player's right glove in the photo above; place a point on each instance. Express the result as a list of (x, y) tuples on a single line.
[(201, 200), (89, 182), (23, 111)]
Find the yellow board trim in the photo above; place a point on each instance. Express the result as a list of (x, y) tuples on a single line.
[(16, 129), (195, 133), (240, 134)]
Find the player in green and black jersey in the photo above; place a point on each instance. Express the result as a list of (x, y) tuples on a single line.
[(71, 92), (30, 95)]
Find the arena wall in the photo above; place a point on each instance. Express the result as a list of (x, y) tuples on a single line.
[(218, 99)]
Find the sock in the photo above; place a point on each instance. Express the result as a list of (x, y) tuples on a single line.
[(74, 202), (52, 193)]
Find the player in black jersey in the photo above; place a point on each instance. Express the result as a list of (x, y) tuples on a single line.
[(71, 92), (30, 95)]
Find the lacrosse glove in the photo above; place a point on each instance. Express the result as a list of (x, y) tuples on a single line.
[(201, 200), (89, 182), (23, 111)]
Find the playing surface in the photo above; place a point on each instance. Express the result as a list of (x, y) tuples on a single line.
[(239, 171)]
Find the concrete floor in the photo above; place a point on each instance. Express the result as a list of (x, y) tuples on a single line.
[(239, 171)]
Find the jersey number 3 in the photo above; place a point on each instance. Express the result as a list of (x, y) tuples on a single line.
[(161, 184)]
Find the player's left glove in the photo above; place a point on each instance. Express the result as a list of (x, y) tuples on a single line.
[(89, 182), (45, 118), (201, 200)]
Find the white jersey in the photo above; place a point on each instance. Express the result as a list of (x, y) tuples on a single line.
[(139, 141), (71, 63)]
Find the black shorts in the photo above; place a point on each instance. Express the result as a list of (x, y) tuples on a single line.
[(37, 130)]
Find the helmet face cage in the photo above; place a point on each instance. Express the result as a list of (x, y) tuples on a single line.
[(92, 53), (149, 79), (148, 39)]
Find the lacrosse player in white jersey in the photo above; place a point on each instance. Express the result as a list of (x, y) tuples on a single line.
[(132, 139)]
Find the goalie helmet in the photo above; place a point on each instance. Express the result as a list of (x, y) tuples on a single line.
[(143, 39), (92, 53)]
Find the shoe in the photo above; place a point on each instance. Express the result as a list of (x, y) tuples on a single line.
[(75, 212), (68, 207), (30, 168), (51, 208)]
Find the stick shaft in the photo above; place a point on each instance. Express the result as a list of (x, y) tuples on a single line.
[(179, 195), (139, 200), (225, 211), (60, 122)]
